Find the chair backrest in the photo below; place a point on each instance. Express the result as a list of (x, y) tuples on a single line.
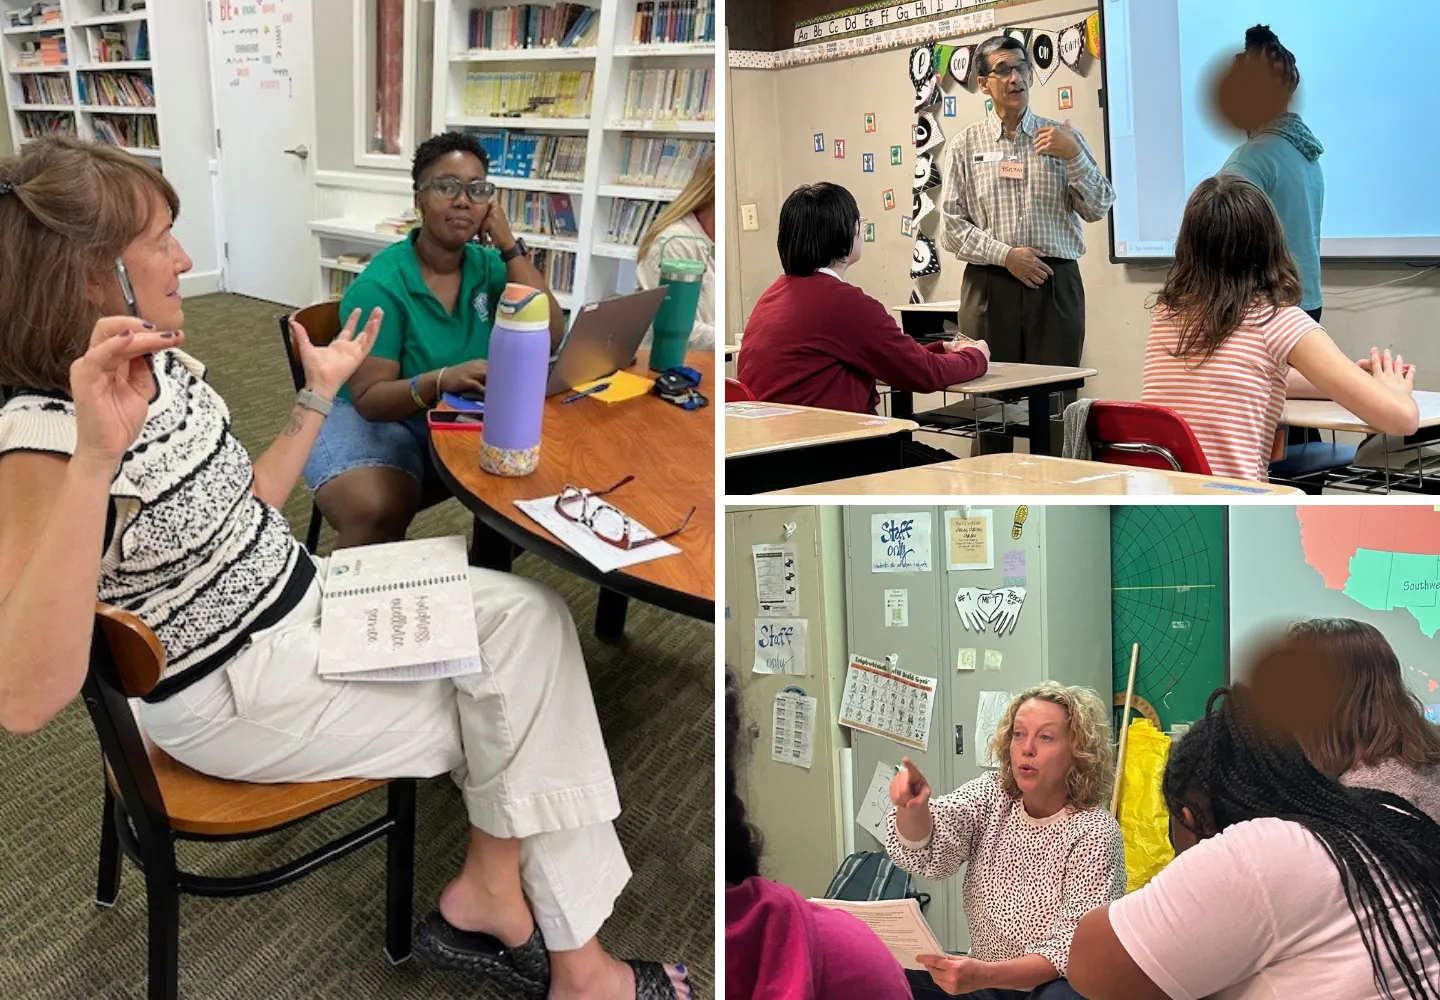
[(738, 392), (126, 660), (321, 321), (1153, 437)]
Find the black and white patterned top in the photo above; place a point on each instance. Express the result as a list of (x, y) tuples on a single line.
[(189, 548), (1029, 880), (987, 215)]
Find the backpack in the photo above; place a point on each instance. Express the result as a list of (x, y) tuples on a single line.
[(871, 875)]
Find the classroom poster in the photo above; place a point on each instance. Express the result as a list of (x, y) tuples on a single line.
[(888, 701), (793, 728), (897, 609), (776, 585), (971, 539), (780, 646), (876, 804), (900, 543)]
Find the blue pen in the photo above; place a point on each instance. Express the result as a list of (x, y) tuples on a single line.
[(588, 392)]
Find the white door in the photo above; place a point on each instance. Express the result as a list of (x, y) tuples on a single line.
[(262, 58)]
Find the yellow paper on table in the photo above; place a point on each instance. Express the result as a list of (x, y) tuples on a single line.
[(623, 386), (1144, 820)]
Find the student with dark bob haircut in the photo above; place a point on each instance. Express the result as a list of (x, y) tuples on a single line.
[(1286, 883), (813, 339)]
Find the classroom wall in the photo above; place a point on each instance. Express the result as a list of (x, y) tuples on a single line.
[(7, 144), (770, 160)]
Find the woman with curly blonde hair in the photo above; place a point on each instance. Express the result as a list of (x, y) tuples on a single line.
[(1041, 850)]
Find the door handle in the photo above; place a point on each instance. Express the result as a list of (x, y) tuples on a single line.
[(302, 151)]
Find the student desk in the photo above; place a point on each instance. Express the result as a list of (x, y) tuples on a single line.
[(1038, 475), (1328, 415), (803, 444), (926, 320), (594, 445), (1007, 382)]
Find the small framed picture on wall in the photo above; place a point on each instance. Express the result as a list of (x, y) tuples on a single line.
[(867, 162), (819, 142), (839, 149), (870, 121), (889, 199), (894, 156)]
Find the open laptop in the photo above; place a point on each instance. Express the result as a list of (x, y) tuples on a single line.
[(603, 339)]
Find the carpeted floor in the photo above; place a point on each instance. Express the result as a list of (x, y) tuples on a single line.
[(323, 936)]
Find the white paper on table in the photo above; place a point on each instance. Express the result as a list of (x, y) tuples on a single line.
[(897, 922), (582, 541), (888, 701), (988, 716), (780, 646), (897, 609), (777, 584), (793, 723), (876, 804), (900, 543), (398, 611), (756, 411)]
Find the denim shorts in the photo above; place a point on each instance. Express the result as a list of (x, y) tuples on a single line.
[(349, 441)]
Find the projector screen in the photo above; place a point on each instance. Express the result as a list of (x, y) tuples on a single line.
[(1372, 106)]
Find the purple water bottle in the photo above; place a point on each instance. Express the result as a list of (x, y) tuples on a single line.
[(519, 369)]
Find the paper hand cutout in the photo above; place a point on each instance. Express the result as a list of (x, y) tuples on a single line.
[(979, 607), (1012, 600), (967, 602)]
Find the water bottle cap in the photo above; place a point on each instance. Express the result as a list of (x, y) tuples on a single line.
[(683, 270), (524, 304)]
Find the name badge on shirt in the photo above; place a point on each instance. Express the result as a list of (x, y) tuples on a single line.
[(995, 157), (1013, 169)]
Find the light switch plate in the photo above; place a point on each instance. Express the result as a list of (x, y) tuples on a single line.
[(749, 218)]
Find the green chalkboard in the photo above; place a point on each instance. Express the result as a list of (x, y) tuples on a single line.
[(1169, 593)]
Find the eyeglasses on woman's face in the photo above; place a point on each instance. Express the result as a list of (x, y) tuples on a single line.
[(478, 191)]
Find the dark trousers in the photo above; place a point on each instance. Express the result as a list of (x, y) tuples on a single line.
[(1034, 326), (922, 987)]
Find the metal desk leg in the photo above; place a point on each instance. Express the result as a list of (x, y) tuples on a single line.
[(902, 404), (1040, 443), (610, 615)]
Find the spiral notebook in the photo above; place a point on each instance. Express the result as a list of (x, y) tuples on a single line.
[(401, 611)]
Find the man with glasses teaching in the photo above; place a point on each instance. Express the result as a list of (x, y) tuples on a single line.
[(1016, 189)]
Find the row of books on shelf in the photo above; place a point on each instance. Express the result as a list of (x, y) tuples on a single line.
[(340, 282), (108, 44), (557, 267), (45, 88), (34, 15), (659, 21), (539, 212), (117, 90), (48, 52), (664, 94), (545, 94), (629, 218), (531, 26), (543, 157), (667, 162), (134, 131), (34, 124)]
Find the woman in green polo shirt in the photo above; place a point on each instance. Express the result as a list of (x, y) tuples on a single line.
[(370, 468)]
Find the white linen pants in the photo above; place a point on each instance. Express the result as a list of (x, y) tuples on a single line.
[(521, 738)]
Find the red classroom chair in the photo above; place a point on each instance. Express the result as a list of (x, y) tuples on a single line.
[(1153, 437), (738, 392)]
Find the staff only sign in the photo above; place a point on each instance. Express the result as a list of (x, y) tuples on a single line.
[(887, 16)]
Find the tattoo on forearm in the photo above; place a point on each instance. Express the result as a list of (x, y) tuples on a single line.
[(293, 425)]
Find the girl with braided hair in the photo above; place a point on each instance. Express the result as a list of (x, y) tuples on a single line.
[(778, 945), (1286, 884)]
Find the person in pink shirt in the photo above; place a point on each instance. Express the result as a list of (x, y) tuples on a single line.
[(1286, 884), (779, 946)]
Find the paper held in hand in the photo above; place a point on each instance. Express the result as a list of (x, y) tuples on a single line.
[(398, 612), (896, 922)]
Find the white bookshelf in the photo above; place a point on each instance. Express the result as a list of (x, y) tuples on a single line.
[(602, 266), (81, 26)]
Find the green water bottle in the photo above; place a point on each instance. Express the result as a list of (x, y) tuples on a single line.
[(676, 318)]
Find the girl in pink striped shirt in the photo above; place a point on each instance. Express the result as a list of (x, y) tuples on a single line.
[(1228, 342)]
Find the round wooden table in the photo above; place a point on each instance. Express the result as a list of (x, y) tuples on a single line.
[(593, 445)]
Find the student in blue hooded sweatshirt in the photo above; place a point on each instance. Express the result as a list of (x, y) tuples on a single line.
[(1283, 160)]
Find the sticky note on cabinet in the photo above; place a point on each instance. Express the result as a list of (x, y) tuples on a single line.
[(993, 659), (965, 659)]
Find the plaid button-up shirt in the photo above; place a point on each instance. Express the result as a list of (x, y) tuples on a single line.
[(986, 215)]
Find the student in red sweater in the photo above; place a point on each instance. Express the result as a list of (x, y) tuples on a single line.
[(815, 340)]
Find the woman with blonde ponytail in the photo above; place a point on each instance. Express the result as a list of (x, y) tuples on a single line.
[(685, 230)]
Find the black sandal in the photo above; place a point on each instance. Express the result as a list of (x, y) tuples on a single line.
[(525, 969), (652, 982)]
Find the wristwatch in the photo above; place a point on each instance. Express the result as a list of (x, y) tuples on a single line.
[(518, 250), (313, 401)]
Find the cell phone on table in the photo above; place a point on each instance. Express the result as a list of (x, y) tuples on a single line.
[(466, 402), (126, 289), (454, 420)]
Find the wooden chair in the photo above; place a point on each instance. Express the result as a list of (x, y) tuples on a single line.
[(152, 800), (322, 323)]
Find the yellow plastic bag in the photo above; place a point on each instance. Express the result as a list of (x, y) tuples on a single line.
[(1144, 820)]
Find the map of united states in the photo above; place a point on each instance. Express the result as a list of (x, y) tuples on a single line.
[(1385, 558)]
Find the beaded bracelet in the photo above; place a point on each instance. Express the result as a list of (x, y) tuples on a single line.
[(415, 392)]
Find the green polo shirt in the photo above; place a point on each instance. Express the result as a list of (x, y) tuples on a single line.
[(417, 331)]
